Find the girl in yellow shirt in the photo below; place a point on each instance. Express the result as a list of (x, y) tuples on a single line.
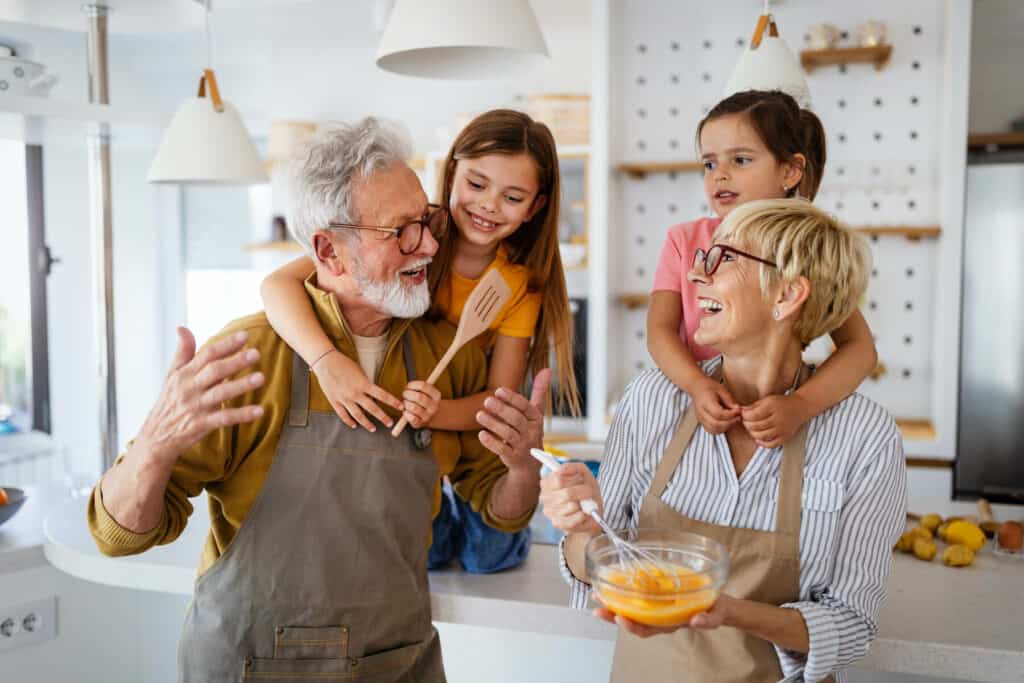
[(500, 188)]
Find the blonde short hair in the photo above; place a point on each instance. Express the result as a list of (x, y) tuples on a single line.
[(803, 241)]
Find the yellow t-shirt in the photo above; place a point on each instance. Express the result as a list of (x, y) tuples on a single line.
[(516, 319)]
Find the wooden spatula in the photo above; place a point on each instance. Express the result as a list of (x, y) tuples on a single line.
[(482, 306)]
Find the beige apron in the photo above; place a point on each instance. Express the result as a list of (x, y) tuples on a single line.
[(327, 577), (763, 566)]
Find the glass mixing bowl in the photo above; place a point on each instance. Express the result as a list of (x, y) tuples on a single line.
[(690, 573)]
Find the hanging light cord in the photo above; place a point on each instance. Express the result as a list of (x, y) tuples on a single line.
[(209, 51)]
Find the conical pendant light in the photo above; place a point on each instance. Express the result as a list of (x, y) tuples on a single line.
[(207, 141), (461, 39), (768, 64)]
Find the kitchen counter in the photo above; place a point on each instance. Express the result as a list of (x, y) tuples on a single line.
[(937, 621)]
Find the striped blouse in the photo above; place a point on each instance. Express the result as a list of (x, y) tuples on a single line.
[(853, 506)]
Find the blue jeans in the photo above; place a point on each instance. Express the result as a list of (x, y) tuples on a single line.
[(460, 532)]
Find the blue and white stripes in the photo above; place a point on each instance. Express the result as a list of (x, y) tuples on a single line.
[(853, 508)]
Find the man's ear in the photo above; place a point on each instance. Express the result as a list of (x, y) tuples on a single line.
[(791, 298), (327, 253), (539, 202)]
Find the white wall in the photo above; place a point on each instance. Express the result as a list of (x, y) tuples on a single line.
[(997, 53)]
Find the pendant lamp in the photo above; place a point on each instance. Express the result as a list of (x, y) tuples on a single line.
[(768, 64), (207, 141), (461, 39)]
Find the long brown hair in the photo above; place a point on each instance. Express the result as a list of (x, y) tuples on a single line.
[(534, 245), (784, 128)]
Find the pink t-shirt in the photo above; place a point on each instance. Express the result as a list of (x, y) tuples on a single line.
[(674, 264)]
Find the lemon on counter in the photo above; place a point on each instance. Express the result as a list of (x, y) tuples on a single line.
[(965, 533)]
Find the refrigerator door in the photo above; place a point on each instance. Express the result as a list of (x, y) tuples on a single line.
[(990, 453)]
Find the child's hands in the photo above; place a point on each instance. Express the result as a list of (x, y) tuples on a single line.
[(774, 419), (351, 394), (420, 403), (717, 410)]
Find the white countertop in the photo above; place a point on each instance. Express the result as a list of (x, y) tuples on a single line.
[(939, 621)]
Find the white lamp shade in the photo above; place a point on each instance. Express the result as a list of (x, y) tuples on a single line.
[(461, 39), (203, 145), (771, 66)]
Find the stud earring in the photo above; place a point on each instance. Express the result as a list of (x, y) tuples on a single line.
[(775, 313)]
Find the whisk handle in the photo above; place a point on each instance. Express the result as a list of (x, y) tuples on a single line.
[(588, 506)]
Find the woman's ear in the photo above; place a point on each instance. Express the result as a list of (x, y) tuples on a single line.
[(539, 203), (326, 253), (794, 171), (791, 298)]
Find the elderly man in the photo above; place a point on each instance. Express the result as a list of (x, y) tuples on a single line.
[(316, 561)]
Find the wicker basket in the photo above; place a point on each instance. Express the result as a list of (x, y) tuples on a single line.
[(568, 116)]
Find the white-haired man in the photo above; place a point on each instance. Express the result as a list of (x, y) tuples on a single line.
[(316, 561)]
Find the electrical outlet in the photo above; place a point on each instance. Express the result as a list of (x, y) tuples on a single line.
[(28, 624)]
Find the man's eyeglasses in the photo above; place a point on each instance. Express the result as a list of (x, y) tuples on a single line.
[(712, 258), (410, 235)]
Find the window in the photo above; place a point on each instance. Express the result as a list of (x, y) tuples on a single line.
[(24, 391)]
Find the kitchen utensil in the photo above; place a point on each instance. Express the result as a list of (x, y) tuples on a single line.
[(823, 36), (15, 499), (638, 560), (700, 567), (482, 307), (988, 524), (871, 34)]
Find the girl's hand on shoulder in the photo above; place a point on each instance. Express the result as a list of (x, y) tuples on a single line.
[(560, 495), (716, 409), (773, 420), (351, 393), (420, 403)]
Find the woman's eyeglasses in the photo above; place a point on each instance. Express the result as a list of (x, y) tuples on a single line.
[(712, 258), (410, 235)]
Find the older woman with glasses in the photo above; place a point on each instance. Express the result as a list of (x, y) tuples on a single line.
[(809, 527)]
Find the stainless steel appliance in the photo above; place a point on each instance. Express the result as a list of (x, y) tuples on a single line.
[(990, 452)]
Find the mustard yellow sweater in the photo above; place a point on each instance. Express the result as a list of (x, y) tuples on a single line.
[(232, 463)]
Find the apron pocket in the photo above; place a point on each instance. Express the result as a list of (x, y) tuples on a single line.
[(303, 642), (388, 665)]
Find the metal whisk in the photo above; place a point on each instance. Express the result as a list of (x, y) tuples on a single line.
[(633, 557)]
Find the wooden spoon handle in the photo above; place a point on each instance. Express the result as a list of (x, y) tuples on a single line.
[(985, 510), (441, 365)]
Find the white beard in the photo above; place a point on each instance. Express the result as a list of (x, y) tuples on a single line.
[(394, 298)]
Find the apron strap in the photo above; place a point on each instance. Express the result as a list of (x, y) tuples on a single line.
[(791, 480), (298, 409), (673, 455)]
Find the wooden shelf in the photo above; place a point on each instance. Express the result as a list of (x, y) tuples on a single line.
[(640, 170), (916, 430), (1011, 140), (911, 232), (286, 245), (633, 301), (877, 55)]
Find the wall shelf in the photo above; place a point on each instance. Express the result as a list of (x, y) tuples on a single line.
[(1010, 140), (633, 301), (913, 233), (641, 169), (877, 55)]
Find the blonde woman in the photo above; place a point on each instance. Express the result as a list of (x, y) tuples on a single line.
[(809, 526)]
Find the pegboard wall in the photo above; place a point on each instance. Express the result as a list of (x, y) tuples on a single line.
[(670, 64)]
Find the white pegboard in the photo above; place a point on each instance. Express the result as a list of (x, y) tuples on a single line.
[(882, 129)]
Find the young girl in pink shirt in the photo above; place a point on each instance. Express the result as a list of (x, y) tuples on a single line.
[(754, 145)]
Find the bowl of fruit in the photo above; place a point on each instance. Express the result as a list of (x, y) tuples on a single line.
[(11, 500), (677, 575)]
